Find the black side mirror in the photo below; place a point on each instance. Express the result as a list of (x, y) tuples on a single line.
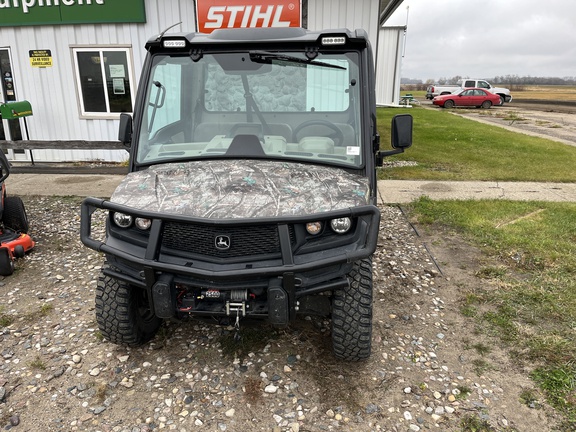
[(125, 129), (401, 137), (402, 131)]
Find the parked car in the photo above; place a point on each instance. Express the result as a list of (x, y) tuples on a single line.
[(437, 90), (469, 97)]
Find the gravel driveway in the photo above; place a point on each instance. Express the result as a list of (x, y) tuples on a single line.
[(57, 374), (426, 371)]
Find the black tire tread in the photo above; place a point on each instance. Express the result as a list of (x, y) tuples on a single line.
[(352, 315), (14, 214), (117, 313), (6, 263)]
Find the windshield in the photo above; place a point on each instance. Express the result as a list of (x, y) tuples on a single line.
[(253, 104)]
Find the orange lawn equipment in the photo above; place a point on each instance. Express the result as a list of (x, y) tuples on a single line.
[(14, 239)]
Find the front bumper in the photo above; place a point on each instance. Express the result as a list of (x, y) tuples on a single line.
[(297, 269)]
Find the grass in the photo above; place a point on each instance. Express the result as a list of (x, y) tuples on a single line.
[(38, 363), (450, 147), (45, 310), (5, 319), (529, 300), (543, 92), (463, 392), (250, 338), (473, 424)]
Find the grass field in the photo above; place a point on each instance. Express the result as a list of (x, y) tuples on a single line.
[(552, 93), (529, 300), (449, 147)]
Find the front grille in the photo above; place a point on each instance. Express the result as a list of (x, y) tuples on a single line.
[(245, 241)]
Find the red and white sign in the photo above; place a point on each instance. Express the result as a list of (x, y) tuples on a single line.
[(217, 14)]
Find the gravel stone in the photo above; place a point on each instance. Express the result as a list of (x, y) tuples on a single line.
[(57, 373)]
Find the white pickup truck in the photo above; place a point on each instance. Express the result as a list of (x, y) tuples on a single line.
[(435, 90)]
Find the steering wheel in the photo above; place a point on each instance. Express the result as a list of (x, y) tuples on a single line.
[(337, 135)]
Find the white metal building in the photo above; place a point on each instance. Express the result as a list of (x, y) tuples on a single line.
[(59, 67)]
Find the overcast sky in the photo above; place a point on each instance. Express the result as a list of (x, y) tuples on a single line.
[(488, 38)]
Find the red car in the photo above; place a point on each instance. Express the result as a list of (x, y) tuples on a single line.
[(476, 97)]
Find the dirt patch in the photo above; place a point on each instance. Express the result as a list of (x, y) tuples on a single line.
[(471, 351)]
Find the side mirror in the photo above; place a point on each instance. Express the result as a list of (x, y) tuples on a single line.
[(401, 137), (402, 131), (125, 129)]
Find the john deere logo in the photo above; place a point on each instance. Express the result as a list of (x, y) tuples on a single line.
[(222, 242)]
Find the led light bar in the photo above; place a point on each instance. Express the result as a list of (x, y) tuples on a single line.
[(178, 43), (334, 40)]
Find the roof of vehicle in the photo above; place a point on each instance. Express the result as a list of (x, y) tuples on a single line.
[(247, 35), (466, 89)]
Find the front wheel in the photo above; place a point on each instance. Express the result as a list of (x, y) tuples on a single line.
[(352, 314), (123, 312), (486, 104), (6, 262), (449, 104)]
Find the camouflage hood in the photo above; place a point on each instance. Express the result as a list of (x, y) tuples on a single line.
[(241, 189)]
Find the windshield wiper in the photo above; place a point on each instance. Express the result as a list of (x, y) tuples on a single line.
[(267, 57)]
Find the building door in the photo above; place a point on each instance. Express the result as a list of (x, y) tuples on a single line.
[(9, 129)]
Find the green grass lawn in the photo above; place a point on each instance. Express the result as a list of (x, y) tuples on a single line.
[(529, 303), (529, 299), (449, 147)]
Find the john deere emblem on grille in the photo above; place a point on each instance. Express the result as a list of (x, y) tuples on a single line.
[(222, 242)]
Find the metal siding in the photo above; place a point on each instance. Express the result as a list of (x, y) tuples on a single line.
[(52, 92), (330, 14), (389, 60)]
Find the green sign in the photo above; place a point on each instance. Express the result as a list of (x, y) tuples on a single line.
[(49, 12)]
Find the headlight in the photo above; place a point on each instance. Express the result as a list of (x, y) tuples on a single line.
[(341, 225), (143, 224), (314, 227), (122, 220)]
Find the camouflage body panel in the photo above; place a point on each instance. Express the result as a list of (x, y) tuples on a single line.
[(223, 189)]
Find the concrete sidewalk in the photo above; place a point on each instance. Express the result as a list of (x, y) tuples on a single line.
[(404, 191), (390, 191), (97, 185)]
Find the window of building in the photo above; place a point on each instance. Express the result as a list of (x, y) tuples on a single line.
[(104, 81)]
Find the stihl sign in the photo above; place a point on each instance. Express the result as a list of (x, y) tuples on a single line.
[(216, 14)]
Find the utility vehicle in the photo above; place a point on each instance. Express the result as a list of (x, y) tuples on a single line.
[(252, 186)]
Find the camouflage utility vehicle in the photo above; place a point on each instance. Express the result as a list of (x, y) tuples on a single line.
[(251, 190)]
